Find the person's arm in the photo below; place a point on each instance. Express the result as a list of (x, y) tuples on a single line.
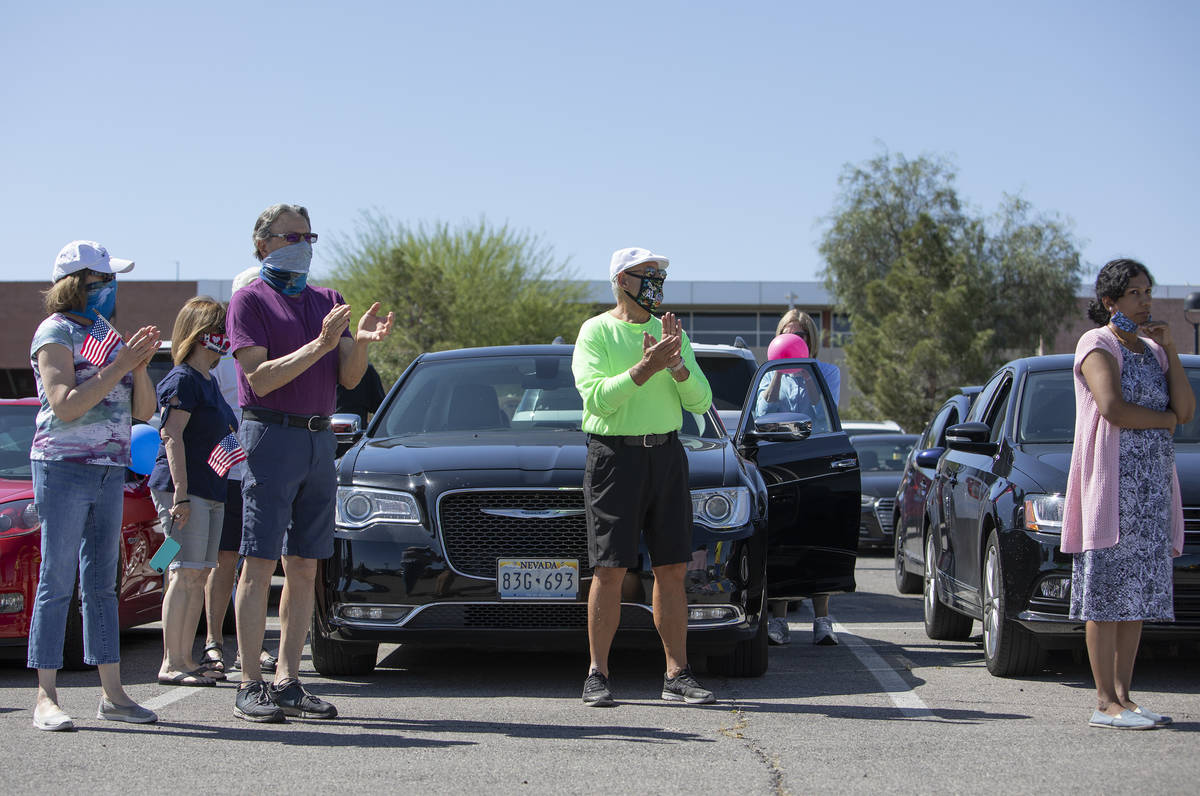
[(602, 394), (267, 375), (1182, 399), (70, 401), (1103, 378), (172, 437), (352, 353), (142, 400)]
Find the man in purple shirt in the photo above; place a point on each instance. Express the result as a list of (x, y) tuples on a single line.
[(293, 347)]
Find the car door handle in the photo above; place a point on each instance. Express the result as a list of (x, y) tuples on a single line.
[(844, 464)]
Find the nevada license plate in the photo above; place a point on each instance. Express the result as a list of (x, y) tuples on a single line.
[(537, 578)]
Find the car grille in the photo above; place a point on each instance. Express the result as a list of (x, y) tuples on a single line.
[(1191, 525), (474, 540), (522, 616), (884, 510)]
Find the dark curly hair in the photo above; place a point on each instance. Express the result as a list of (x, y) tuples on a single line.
[(1111, 283)]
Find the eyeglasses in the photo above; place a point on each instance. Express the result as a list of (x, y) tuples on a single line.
[(294, 237), (651, 272)]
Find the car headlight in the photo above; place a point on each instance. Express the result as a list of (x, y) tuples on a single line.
[(1044, 513), (358, 508), (721, 508), (866, 501)]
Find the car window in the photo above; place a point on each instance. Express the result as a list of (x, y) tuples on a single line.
[(984, 398), (17, 424), (1191, 431), (882, 455), (729, 377), (793, 390), (1047, 409), (496, 394), (999, 410), (936, 430)]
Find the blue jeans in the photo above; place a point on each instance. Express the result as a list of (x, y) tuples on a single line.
[(80, 508)]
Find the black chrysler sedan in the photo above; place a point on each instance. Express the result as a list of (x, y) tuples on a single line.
[(994, 518), (460, 518), (909, 514), (881, 458)]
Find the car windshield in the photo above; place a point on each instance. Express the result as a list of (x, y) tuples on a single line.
[(729, 377), (1047, 411), (883, 455), (17, 423), (496, 394)]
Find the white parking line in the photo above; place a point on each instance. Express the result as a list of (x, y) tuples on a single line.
[(174, 695), (898, 691)]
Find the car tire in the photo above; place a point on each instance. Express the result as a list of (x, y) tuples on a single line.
[(1008, 649), (941, 623), (73, 638), (906, 582), (340, 658), (748, 658)]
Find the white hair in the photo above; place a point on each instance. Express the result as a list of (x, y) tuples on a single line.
[(246, 277)]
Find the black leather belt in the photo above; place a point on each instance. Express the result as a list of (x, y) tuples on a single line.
[(639, 441), (310, 422)]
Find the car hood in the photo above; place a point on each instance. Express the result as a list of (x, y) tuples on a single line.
[(12, 490), (1049, 464), (880, 484), (523, 451)]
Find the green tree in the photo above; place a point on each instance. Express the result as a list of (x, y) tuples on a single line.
[(474, 285), (937, 297)]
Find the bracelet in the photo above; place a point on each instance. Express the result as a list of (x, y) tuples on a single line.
[(676, 368), (185, 500)]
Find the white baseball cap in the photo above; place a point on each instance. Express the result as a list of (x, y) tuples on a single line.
[(624, 259), (80, 254)]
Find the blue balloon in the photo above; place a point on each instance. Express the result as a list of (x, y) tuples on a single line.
[(143, 448)]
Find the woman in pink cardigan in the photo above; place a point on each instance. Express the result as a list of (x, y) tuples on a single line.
[(1123, 519)]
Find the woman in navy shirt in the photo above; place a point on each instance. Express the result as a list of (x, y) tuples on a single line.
[(188, 480)]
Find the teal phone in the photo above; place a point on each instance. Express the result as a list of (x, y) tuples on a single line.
[(165, 554)]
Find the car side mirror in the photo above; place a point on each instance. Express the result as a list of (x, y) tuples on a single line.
[(971, 438), (780, 427), (347, 428), (928, 457)]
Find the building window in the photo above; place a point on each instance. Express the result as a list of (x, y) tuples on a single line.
[(841, 334), (722, 328)]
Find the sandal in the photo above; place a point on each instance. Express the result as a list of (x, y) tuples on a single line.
[(194, 679), (213, 658)]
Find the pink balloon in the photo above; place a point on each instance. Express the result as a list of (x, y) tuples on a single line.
[(788, 346)]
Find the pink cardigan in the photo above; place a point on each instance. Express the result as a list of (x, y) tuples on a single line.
[(1090, 516)]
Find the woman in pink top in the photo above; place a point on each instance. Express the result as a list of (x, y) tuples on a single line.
[(1123, 519)]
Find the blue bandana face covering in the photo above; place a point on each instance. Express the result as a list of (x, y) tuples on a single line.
[(286, 269), (1124, 322), (101, 297)]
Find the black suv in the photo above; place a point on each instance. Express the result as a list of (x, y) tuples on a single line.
[(460, 518)]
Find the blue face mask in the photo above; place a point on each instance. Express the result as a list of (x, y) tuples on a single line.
[(101, 297), (289, 283), (1124, 322), (286, 269)]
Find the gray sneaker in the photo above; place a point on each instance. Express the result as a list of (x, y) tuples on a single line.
[(823, 632), (778, 632), (684, 687), (134, 714)]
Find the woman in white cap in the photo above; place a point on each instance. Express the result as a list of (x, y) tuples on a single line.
[(91, 384)]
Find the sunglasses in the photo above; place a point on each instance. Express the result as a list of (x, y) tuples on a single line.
[(651, 272), (295, 237)]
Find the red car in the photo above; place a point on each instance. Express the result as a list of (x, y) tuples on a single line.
[(139, 588)]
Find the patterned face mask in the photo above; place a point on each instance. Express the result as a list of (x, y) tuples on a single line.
[(1124, 322), (650, 295), (217, 343)]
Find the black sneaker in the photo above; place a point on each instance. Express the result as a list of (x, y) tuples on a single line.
[(295, 701), (254, 703), (595, 691), (684, 688), (269, 664)]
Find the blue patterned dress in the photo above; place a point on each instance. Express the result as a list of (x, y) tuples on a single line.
[(1133, 580)]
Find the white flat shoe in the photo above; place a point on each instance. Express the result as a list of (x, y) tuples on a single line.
[(1125, 720), (52, 720), (1160, 721)]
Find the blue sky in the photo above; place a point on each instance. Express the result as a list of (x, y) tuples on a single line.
[(711, 132)]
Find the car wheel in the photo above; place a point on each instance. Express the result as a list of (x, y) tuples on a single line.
[(941, 623), (1009, 649), (73, 638), (340, 658), (748, 658), (906, 582)]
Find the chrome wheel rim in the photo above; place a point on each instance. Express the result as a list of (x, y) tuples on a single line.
[(991, 603), (930, 588)]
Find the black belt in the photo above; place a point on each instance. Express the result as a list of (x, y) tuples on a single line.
[(310, 422), (639, 441)]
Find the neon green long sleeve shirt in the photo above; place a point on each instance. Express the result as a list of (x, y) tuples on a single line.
[(612, 404)]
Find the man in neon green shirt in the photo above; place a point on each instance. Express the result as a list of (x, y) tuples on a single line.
[(637, 375)]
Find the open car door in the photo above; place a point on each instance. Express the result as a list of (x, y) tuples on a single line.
[(791, 430)]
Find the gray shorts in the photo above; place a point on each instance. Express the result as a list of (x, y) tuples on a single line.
[(200, 537), (289, 491)]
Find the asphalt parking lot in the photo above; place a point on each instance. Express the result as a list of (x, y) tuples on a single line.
[(887, 710)]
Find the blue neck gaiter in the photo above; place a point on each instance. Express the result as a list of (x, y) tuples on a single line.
[(101, 297), (286, 269)]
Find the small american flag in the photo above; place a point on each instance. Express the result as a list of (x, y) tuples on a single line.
[(100, 342), (225, 454)]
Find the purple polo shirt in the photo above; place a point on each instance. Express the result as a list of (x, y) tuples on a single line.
[(259, 315)]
